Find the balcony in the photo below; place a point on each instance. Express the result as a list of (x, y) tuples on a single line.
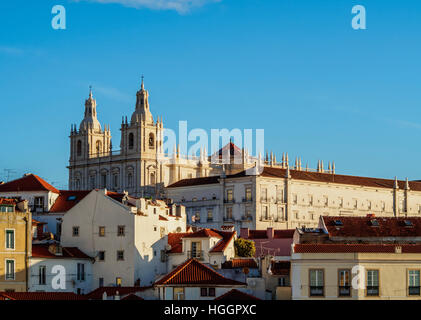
[(344, 291), (198, 254), (247, 218), (316, 291), (245, 199), (414, 291), (372, 290), (228, 219), (229, 200)]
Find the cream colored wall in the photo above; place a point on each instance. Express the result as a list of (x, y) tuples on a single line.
[(393, 273), (9, 220)]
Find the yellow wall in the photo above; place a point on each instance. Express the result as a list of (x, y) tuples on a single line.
[(14, 220), (393, 273)]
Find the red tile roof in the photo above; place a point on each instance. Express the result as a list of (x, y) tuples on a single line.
[(30, 182), (41, 251), (112, 291), (67, 200), (203, 233), (280, 268), (46, 296), (308, 176), (239, 263), (358, 227), (231, 148), (175, 239), (192, 272), (235, 294), (132, 297), (6, 201), (355, 248)]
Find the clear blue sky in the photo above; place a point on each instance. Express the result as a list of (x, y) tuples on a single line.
[(296, 68)]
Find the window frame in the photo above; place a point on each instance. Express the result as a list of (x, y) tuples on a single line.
[(6, 270), (6, 238), (120, 255), (73, 231), (309, 283), (119, 229), (349, 283), (409, 283), (42, 276), (378, 283), (100, 233)]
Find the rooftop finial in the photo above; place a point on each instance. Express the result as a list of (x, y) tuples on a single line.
[(142, 85), (90, 91)]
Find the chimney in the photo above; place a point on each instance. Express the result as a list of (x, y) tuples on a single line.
[(269, 233), (244, 233)]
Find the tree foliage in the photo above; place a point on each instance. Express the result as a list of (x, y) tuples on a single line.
[(244, 248)]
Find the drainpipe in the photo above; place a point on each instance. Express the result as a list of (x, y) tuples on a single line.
[(26, 252)]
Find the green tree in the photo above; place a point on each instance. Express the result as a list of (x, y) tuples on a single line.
[(244, 248)]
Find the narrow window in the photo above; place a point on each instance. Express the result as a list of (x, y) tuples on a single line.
[(316, 283), (121, 231), (75, 232), (344, 289), (42, 275), (414, 282), (131, 140), (372, 282), (101, 231), (10, 270), (10, 239)]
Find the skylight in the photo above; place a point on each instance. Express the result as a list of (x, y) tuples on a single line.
[(338, 223), (374, 223), (408, 223), (71, 198)]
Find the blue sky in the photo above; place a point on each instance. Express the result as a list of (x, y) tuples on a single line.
[(296, 68)]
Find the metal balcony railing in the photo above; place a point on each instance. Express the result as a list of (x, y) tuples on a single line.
[(198, 254), (316, 291)]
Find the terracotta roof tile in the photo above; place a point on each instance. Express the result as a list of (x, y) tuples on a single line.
[(41, 251), (235, 294), (30, 182), (112, 291), (240, 263), (67, 200), (46, 296), (193, 272), (355, 248), (363, 226), (6, 201)]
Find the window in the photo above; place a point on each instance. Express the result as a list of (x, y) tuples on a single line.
[(265, 213), (247, 212), (264, 195), (118, 281), (6, 209), (152, 178), (316, 283), (130, 180), (203, 292), (248, 194), (281, 213), (81, 272), (207, 292), (151, 141), (101, 282), (131, 141), (120, 255), (42, 275), (294, 199), (178, 293), (414, 282), (344, 289), (372, 282), (279, 194), (79, 148), (98, 147), (283, 282), (115, 181), (210, 215), (229, 195), (75, 232), (101, 256), (196, 250), (197, 216), (10, 239), (10, 270), (229, 213), (92, 181), (121, 231), (103, 180), (101, 231), (39, 203), (211, 292)]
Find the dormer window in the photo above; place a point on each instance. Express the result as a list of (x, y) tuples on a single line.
[(408, 223), (374, 223)]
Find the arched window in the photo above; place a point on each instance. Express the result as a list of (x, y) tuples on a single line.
[(115, 180), (98, 147), (130, 180), (131, 141), (79, 148), (151, 140), (152, 181)]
